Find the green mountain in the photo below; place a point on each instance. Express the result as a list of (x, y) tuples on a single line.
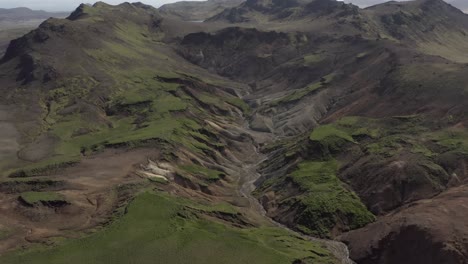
[(266, 134), (197, 10)]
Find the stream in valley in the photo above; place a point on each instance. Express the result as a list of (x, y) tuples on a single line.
[(250, 175)]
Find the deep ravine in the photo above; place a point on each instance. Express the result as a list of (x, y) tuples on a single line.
[(249, 175)]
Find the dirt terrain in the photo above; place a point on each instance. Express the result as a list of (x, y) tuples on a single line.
[(9, 135), (93, 190), (435, 223), (298, 120)]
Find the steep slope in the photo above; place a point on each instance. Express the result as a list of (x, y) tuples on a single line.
[(436, 224), (460, 4), (434, 26), (343, 127), (10, 33), (305, 78), (352, 75), (197, 10), (16, 22), (108, 127), (265, 10)]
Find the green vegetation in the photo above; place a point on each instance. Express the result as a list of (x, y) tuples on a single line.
[(298, 94), (202, 172), (221, 102), (451, 139), (313, 58), (333, 137), (301, 93), (325, 200), (43, 167), (134, 94), (19, 185), (322, 202), (239, 103), (290, 146), (388, 146), (147, 107), (4, 233), (34, 198), (330, 138), (160, 227), (328, 78), (326, 131), (385, 137), (222, 207)]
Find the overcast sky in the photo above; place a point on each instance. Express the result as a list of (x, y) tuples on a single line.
[(461, 4), (68, 5)]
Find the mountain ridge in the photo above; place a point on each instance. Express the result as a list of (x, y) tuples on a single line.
[(342, 125), (24, 13), (18, 21), (197, 10)]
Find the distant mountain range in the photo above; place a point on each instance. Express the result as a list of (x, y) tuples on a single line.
[(23, 13), (16, 22)]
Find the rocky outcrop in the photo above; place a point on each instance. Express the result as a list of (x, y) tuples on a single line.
[(429, 231)]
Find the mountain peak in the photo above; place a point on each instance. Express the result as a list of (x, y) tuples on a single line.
[(423, 4), (338, 116), (271, 3), (283, 10), (101, 17), (197, 10), (79, 12), (112, 12), (284, 3), (439, 4)]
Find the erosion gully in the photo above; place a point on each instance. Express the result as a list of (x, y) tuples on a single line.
[(250, 174)]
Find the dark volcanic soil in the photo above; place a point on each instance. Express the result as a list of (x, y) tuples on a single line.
[(435, 227), (115, 94), (90, 188)]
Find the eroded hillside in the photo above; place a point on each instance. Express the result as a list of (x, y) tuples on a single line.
[(182, 141)]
